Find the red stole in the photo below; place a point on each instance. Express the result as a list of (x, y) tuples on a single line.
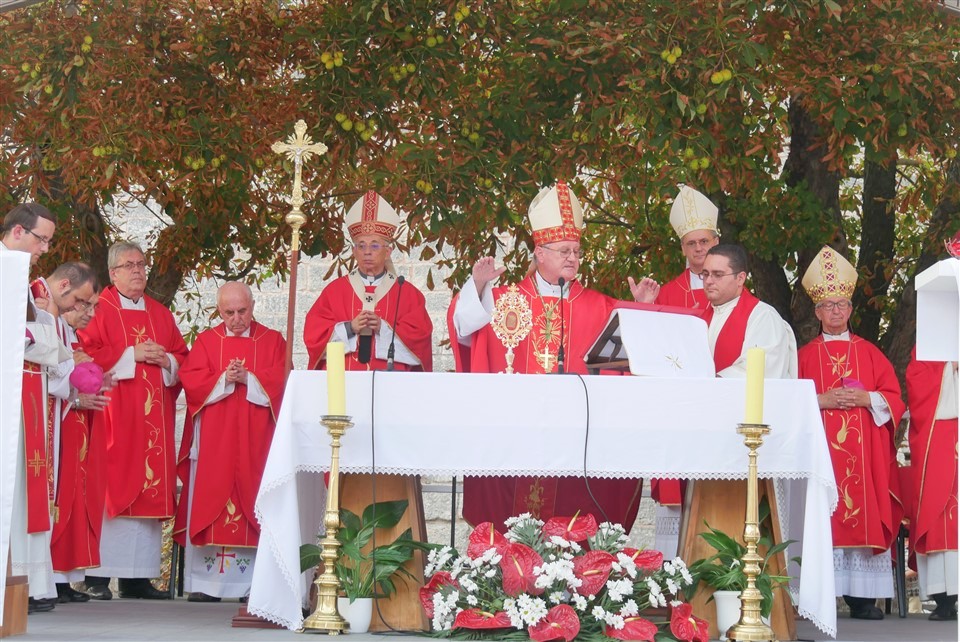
[(34, 415), (933, 453), (495, 499), (679, 293), (139, 420), (339, 303), (235, 436), (862, 453), (729, 345)]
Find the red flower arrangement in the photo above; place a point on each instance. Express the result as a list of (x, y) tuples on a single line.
[(567, 579)]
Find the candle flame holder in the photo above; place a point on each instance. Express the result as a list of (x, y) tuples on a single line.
[(325, 617), (751, 627)]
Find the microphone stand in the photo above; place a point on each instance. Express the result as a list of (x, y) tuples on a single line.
[(560, 355), (393, 337)]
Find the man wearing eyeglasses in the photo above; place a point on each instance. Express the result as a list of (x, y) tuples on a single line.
[(359, 309), (556, 219), (737, 320), (860, 402), (136, 339), (694, 219), (29, 227)]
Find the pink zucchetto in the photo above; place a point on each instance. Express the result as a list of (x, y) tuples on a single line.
[(87, 377)]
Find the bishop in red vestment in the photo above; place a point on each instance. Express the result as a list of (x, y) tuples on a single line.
[(136, 338), (861, 405), (371, 307), (932, 395), (561, 314), (233, 379)]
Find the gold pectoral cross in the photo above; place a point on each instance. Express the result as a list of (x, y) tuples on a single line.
[(545, 359)]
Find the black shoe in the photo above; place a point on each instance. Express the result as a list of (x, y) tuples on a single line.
[(144, 591), (98, 592), (202, 597), (65, 594), (41, 605), (866, 613), (943, 615)]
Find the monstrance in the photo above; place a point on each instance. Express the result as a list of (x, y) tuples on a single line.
[(512, 321)]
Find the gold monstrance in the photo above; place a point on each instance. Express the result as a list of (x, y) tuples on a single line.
[(512, 321), (299, 148)]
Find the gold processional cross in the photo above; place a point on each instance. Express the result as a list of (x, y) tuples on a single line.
[(299, 148)]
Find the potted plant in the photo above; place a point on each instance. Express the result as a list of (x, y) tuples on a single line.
[(723, 571), (366, 571)]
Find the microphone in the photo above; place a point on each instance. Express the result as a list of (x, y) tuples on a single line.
[(393, 338), (560, 351)]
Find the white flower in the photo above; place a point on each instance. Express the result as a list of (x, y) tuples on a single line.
[(629, 609), (510, 608), (653, 600), (614, 620), (532, 609), (556, 597), (668, 567), (472, 600), (627, 564), (675, 603), (579, 602), (618, 589), (672, 587), (599, 613)]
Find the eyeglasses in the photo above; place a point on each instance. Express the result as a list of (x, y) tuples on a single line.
[(565, 252), (43, 239), (701, 242), (716, 276), (830, 306), (373, 247), (131, 265), (81, 305)]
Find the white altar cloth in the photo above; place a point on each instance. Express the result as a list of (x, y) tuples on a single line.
[(444, 424)]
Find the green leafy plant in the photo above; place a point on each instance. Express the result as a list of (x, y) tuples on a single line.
[(723, 571), (365, 570)]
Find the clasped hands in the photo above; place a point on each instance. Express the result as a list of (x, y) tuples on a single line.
[(151, 352), (367, 320), (236, 372), (844, 399)]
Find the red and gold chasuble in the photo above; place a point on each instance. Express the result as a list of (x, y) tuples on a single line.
[(862, 453), (679, 293), (339, 302), (495, 499), (235, 436), (139, 420), (933, 453), (75, 541)]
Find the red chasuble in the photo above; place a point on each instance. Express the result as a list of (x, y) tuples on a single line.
[(933, 453), (495, 499), (729, 345), (339, 302), (235, 436), (863, 455), (139, 420), (75, 541), (679, 293), (34, 420)]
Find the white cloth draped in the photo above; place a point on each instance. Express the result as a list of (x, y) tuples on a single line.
[(446, 424)]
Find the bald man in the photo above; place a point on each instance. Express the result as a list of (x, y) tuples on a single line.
[(233, 380)]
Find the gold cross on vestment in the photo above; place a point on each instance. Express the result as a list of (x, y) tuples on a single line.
[(545, 359), (36, 462), (299, 148)]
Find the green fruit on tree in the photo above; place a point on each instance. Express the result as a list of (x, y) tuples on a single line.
[(347, 125)]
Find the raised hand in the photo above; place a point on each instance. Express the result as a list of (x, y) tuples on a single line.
[(484, 271), (645, 291)]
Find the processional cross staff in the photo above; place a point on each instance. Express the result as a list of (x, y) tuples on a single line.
[(299, 148)]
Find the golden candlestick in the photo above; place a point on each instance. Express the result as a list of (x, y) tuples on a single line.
[(751, 627), (326, 617)]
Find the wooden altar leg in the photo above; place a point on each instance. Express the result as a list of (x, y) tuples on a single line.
[(14, 604), (402, 611), (723, 505)]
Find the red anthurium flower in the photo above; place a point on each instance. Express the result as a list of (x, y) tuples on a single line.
[(686, 626), (634, 628), (646, 560), (561, 623), (593, 569), (484, 537), (517, 566), (572, 529), (953, 245), (477, 619), (427, 590)]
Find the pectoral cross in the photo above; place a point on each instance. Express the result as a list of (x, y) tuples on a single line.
[(299, 148), (223, 555)]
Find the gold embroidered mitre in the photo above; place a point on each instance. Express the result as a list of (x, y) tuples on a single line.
[(555, 215), (692, 211), (829, 275), (372, 215)]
